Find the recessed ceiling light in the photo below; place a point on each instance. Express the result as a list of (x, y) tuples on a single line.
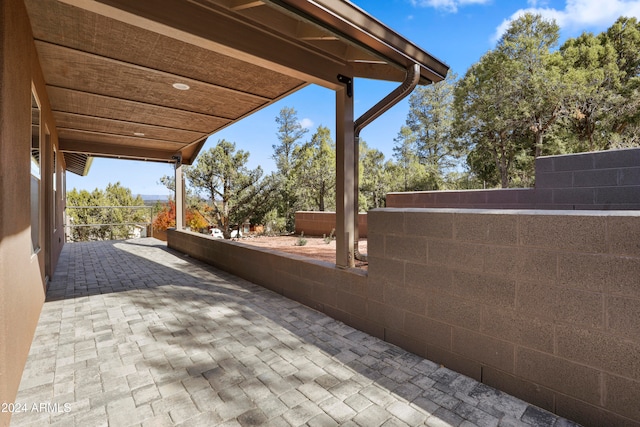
[(181, 86), (138, 134)]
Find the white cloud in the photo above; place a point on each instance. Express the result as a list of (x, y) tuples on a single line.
[(579, 14), (537, 3), (447, 5), (306, 123)]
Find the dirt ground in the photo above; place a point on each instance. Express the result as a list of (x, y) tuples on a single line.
[(315, 247)]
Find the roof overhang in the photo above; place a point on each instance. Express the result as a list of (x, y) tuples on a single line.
[(111, 66)]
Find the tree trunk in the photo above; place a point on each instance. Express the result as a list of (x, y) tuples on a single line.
[(539, 140)]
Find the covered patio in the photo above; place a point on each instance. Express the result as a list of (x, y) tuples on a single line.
[(133, 333), (151, 81)]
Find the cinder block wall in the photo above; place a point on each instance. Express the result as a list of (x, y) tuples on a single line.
[(603, 180), (600, 180), (321, 223), (508, 198), (320, 285), (543, 305)]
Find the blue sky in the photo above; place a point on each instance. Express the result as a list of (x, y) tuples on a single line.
[(458, 32)]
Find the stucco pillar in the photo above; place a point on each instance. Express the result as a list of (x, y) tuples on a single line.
[(345, 176), (180, 199)]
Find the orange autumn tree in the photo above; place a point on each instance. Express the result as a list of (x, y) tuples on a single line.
[(194, 220), (166, 218)]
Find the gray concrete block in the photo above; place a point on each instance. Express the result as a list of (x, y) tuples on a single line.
[(616, 158), (572, 162), (629, 176), (554, 180), (384, 222), (497, 229), (574, 196), (570, 233), (553, 303), (618, 195), (447, 199), (596, 178), (437, 225), (510, 197), (542, 197), (544, 164), (474, 197), (559, 374)]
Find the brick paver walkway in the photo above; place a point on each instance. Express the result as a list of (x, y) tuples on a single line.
[(135, 334)]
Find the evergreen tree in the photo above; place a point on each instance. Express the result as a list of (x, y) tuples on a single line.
[(590, 63), (430, 119), (624, 35), (486, 120), (316, 171), (375, 178), (528, 46), (105, 214), (290, 132), (236, 192)]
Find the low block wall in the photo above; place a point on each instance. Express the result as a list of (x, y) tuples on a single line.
[(160, 234), (599, 180), (508, 198), (543, 305), (317, 284), (321, 223), (603, 180)]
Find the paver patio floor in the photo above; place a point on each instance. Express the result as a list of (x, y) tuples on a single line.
[(135, 334)]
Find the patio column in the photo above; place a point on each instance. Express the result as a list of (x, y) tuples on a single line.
[(180, 203), (345, 174)]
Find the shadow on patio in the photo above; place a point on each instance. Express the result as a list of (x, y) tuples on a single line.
[(133, 333)]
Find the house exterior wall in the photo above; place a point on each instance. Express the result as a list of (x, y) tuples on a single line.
[(544, 305), (603, 180), (22, 275), (322, 223)]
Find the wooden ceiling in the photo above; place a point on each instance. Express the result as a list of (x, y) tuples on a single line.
[(110, 66)]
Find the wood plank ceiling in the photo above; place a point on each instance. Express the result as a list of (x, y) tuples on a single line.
[(111, 67)]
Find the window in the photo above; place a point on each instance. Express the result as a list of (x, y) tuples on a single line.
[(35, 175)]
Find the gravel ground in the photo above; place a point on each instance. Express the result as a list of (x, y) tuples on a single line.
[(315, 247)]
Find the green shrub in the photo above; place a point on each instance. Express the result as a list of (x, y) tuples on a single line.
[(328, 239), (301, 240)]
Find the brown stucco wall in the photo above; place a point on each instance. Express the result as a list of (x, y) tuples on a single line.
[(544, 305), (22, 275), (321, 223)]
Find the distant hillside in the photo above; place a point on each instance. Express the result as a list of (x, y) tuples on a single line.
[(152, 199)]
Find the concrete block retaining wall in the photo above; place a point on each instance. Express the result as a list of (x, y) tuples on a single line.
[(317, 284), (603, 180), (544, 305), (599, 180), (321, 223)]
